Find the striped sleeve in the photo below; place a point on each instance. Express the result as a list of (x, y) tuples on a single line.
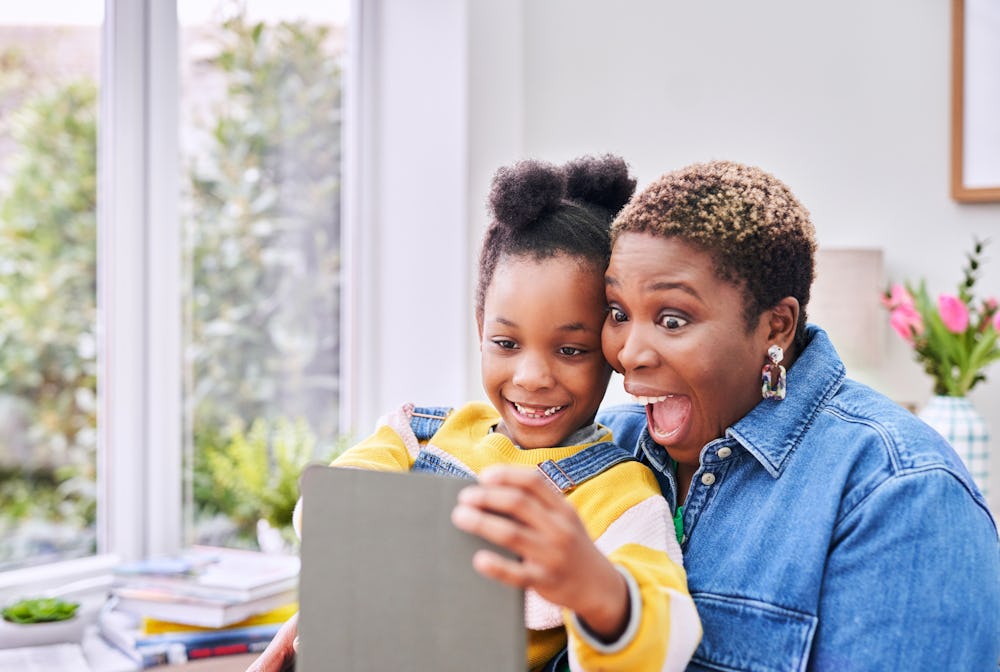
[(664, 629)]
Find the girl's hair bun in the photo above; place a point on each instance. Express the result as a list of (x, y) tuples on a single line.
[(603, 181), (523, 192)]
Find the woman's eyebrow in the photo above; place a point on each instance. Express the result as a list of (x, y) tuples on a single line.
[(665, 285), (659, 286)]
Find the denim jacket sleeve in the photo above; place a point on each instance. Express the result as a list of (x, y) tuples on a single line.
[(914, 557)]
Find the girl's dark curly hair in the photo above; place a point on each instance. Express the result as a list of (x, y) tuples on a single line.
[(540, 210), (750, 223)]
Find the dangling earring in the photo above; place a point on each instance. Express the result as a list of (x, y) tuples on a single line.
[(772, 376)]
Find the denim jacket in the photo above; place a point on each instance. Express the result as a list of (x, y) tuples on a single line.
[(832, 530)]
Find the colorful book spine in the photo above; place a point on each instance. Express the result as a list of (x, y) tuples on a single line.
[(184, 646)]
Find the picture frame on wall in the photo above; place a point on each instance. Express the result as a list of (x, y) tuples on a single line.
[(975, 101)]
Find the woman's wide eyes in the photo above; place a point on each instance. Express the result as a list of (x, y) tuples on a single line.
[(672, 322), (666, 321)]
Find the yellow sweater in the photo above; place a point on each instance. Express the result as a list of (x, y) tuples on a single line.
[(622, 510)]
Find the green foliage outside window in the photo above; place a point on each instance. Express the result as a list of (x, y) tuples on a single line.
[(261, 236), (48, 364), (254, 474), (263, 232)]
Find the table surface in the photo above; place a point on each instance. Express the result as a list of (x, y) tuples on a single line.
[(236, 663)]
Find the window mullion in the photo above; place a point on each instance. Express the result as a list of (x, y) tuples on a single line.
[(163, 306), (139, 424)]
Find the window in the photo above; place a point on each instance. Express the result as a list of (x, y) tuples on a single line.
[(260, 130), (170, 276)]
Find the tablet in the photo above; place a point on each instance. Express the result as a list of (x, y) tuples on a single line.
[(387, 581)]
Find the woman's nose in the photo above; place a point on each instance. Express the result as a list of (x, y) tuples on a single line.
[(635, 350), (532, 372)]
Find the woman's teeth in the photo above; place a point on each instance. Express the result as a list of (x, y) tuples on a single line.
[(645, 401), (665, 435), (536, 413)]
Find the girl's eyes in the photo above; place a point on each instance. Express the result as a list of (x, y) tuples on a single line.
[(566, 350), (671, 322)]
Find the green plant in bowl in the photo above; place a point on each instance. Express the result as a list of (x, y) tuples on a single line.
[(40, 610)]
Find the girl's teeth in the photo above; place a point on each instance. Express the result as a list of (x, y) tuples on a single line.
[(532, 413), (645, 401)]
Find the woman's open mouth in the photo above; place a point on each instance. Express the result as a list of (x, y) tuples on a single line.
[(666, 415)]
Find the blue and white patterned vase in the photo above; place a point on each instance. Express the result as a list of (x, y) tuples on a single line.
[(957, 420)]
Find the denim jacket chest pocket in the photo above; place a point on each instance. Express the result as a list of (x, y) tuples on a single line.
[(747, 635)]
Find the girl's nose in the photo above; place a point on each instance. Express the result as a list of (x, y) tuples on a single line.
[(533, 372)]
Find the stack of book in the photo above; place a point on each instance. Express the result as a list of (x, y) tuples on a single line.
[(209, 587), (207, 601), (149, 642)]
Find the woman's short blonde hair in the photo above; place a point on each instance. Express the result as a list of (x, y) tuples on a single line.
[(751, 224)]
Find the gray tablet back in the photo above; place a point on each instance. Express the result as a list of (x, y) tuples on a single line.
[(387, 581)]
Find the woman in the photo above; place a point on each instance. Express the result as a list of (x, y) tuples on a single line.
[(829, 530), (826, 530)]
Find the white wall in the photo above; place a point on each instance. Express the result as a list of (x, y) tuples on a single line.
[(405, 326), (848, 103)]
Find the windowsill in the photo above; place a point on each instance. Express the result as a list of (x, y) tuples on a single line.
[(58, 579)]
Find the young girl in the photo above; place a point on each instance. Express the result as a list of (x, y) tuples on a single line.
[(592, 535)]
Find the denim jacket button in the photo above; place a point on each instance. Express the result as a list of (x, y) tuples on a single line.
[(724, 452), (708, 479)]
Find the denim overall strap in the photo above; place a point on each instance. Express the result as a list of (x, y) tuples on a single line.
[(574, 470), (425, 421), (441, 464)]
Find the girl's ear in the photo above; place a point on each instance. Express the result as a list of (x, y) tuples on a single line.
[(479, 331), (782, 320)]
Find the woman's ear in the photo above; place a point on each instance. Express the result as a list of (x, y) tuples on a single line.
[(783, 318)]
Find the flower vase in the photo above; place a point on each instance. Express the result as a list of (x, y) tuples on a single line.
[(957, 420)]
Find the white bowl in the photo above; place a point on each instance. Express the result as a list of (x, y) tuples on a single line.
[(13, 635)]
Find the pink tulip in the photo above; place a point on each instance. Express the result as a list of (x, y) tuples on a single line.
[(897, 296), (954, 313), (906, 321), (996, 321)]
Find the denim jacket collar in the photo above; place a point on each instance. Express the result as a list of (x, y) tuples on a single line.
[(772, 430)]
